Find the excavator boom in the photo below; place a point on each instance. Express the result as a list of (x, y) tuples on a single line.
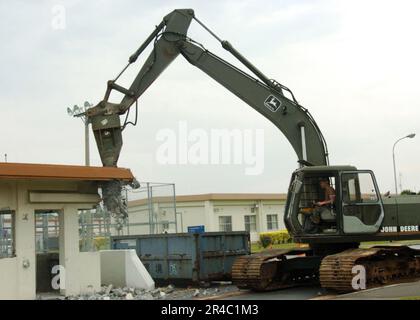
[(264, 95)]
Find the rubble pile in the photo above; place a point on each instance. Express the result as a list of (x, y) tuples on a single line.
[(164, 293)]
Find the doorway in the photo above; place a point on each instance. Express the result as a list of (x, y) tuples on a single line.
[(47, 248)]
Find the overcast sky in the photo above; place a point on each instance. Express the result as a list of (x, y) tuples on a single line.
[(353, 64)]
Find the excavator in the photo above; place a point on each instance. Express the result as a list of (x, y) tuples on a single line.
[(358, 213)]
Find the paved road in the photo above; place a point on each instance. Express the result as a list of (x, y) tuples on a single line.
[(300, 293), (392, 292)]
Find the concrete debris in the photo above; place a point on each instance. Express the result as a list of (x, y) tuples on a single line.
[(114, 201), (170, 289), (146, 296), (155, 292), (108, 289), (118, 292), (170, 292), (139, 292), (129, 296)]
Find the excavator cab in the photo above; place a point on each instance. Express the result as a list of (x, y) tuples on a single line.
[(355, 209)]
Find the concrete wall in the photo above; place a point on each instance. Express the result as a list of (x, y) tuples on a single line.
[(82, 269), (8, 278), (18, 274)]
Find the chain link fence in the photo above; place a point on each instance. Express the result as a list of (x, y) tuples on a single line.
[(151, 210)]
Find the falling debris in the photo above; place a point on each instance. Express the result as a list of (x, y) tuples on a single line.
[(113, 199)]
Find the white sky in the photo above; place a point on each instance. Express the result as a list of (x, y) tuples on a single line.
[(353, 64)]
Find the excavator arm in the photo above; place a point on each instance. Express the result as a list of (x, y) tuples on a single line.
[(264, 95)]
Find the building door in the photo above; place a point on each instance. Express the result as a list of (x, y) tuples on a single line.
[(362, 206), (47, 248)]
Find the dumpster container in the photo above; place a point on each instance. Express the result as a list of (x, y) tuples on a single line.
[(187, 257)]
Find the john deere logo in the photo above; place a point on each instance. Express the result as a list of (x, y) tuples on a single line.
[(272, 103)]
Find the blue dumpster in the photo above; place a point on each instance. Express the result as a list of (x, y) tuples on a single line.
[(187, 257)]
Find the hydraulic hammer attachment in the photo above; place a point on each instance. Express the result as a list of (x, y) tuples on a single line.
[(107, 130)]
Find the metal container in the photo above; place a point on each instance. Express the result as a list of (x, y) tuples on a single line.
[(187, 257)]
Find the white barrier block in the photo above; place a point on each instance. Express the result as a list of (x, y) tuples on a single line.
[(123, 268), (136, 274)]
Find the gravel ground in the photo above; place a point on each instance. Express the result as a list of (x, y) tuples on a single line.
[(162, 293)]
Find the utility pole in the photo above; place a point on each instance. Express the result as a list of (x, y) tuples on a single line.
[(80, 112), (87, 153)]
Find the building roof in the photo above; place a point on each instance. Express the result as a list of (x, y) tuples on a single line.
[(232, 196), (66, 172), (215, 197)]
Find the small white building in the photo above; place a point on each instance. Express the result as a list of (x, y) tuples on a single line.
[(30, 192), (216, 212)]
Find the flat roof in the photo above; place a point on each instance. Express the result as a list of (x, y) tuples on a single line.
[(232, 196), (214, 197), (55, 171)]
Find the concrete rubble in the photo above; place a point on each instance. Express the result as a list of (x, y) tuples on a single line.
[(163, 293)]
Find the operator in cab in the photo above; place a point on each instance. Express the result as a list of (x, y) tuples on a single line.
[(322, 208)]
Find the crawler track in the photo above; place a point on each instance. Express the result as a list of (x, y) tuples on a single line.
[(383, 265), (268, 270)]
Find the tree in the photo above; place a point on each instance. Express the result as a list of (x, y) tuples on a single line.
[(408, 193)]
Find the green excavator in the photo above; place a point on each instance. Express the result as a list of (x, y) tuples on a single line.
[(357, 213)]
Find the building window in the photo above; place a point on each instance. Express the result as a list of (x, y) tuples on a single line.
[(46, 231), (7, 234), (95, 229), (250, 223), (272, 222), (225, 223)]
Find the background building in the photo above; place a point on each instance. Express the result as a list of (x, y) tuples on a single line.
[(216, 212)]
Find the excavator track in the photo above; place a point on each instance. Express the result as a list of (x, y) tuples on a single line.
[(383, 265), (265, 271)]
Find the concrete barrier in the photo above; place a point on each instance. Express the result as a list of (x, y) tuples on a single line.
[(123, 268)]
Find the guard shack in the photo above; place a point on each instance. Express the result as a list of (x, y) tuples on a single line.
[(31, 194)]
